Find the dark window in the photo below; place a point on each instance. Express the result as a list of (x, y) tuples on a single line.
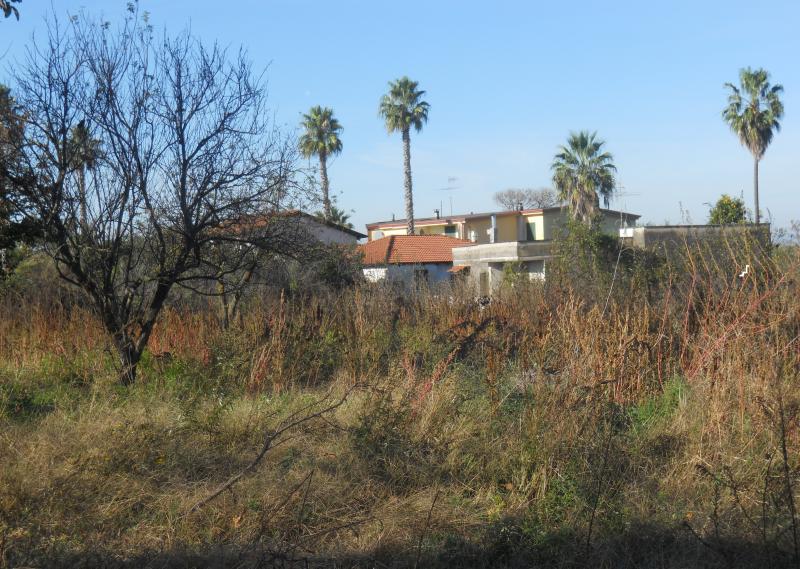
[(450, 230), (530, 231)]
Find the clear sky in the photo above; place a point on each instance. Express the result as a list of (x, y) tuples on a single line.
[(507, 81)]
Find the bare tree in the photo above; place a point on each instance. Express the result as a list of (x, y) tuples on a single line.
[(526, 198), (186, 160)]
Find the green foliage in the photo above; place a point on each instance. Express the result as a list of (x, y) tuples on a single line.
[(596, 265), (14, 228), (337, 216), (403, 107), (754, 110), (7, 8), (655, 412), (514, 273), (321, 133), (582, 173), (321, 138), (727, 211), (385, 441)]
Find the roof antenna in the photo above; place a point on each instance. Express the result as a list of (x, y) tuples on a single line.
[(450, 187)]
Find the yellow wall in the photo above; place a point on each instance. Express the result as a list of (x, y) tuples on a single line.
[(538, 221), (435, 229), (387, 232), (506, 228), (421, 230), (546, 227)]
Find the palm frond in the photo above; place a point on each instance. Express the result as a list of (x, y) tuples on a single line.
[(754, 110), (321, 132), (583, 173), (402, 107)]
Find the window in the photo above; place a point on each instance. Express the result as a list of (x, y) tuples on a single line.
[(451, 230), (530, 231)]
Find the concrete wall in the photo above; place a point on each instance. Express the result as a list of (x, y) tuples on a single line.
[(679, 235), (487, 262), (480, 226), (730, 247), (610, 224)]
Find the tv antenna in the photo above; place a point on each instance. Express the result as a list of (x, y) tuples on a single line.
[(451, 187)]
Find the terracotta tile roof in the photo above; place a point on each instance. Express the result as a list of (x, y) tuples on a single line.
[(411, 249)]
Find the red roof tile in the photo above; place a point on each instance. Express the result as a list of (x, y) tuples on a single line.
[(411, 249)]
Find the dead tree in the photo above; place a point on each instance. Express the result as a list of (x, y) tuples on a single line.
[(186, 158)]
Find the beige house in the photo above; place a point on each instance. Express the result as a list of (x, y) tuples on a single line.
[(498, 227), (523, 237)]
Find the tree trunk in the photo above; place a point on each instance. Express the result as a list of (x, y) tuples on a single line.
[(129, 356), (130, 347), (755, 190), (407, 171), (323, 174), (82, 196)]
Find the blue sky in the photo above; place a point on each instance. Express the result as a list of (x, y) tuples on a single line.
[(507, 81)]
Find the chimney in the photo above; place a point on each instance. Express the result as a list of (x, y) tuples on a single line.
[(519, 206), (436, 211)]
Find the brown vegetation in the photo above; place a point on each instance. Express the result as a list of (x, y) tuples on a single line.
[(652, 423)]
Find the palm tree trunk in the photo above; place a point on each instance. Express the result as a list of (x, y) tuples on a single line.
[(323, 174), (407, 171), (755, 190)]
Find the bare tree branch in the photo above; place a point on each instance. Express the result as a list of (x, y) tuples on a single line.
[(303, 415)]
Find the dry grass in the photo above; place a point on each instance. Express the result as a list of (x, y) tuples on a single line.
[(551, 428)]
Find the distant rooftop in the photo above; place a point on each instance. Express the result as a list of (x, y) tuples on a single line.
[(464, 217), (411, 249)]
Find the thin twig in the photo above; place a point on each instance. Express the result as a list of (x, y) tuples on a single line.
[(425, 528), (270, 438)]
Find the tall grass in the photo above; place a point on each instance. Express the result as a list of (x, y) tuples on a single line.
[(571, 423)]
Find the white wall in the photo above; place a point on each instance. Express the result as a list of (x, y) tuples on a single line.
[(404, 274), (327, 234)]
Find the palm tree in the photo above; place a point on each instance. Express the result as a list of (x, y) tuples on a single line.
[(582, 172), (84, 153), (321, 138), (402, 107), (7, 9), (753, 112), (337, 216)]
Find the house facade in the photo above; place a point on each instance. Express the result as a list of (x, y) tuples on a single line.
[(410, 259), (499, 227), (493, 240)]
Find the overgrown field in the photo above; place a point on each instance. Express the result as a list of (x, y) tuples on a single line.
[(631, 415)]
